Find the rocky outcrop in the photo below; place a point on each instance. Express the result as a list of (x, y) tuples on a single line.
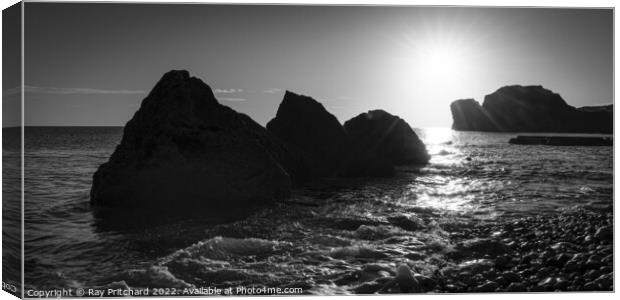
[(379, 141), (529, 109), (184, 153), (306, 125), (468, 115), (182, 150)]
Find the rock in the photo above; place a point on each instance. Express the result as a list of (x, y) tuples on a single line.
[(546, 255), (478, 246), (591, 286), (503, 261), (415, 255), (468, 115), (604, 233), (511, 276), (548, 283), (551, 140), (559, 260), (516, 287), (560, 284), (571, 266), (477, 266), (594, 262), (406, 281), (605, 281), (487, 287), (529, 109), (368, 288), (305, 124), (411, 222), (183, 153), (546, 271), (380, 139), (426, 282), (592, 274), (564, 246)]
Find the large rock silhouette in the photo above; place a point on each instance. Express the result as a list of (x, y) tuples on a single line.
[(182, 150), (529, 109), (381, 140), (305, 124)]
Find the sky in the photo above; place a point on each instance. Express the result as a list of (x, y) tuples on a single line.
[(92, 64)]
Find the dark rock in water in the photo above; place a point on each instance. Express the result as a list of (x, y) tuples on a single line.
[(529, 109), (562, 141), (184, 152), (304, 123), (381, 140)]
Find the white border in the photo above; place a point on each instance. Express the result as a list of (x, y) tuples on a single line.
[(503, 3)]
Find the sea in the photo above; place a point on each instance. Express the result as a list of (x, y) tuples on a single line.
[(328, 229)]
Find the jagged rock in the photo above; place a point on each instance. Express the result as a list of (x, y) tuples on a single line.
[(381, 140), (529, 109), (305, 124), (184, 152)]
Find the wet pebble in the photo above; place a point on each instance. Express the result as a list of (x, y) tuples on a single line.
[(487, 287), (516, 287), (604, 233)]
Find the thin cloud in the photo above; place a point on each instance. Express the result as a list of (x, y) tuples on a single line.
[(272, 91), (227, 91), (69, 91), (232, 99)]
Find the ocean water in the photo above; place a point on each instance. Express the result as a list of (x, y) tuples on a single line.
[(326, 230)]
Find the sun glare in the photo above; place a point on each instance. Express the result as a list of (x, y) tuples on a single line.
[(434, 71), (441, 63)]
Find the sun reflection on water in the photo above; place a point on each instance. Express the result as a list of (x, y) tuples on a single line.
[(443, 190)]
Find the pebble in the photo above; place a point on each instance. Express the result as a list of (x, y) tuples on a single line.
[(593, 262), (571, 266), (572, 251), (489, 286), (512, 276), (544, 272), (415, 255), (368, 288), (560, 260), (591, 286), (606, 281), (426, 282), (604, 233), (516, 287)]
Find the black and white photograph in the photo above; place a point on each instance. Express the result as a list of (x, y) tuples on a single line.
[(235, 149)]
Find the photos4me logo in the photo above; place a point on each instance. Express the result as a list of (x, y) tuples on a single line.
[(9, 287)]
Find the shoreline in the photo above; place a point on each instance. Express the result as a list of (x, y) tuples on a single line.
[(568, 251)]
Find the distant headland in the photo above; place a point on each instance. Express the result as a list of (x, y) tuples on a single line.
[(529, 109)]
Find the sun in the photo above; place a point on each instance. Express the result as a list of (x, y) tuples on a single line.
[(441, 63)]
